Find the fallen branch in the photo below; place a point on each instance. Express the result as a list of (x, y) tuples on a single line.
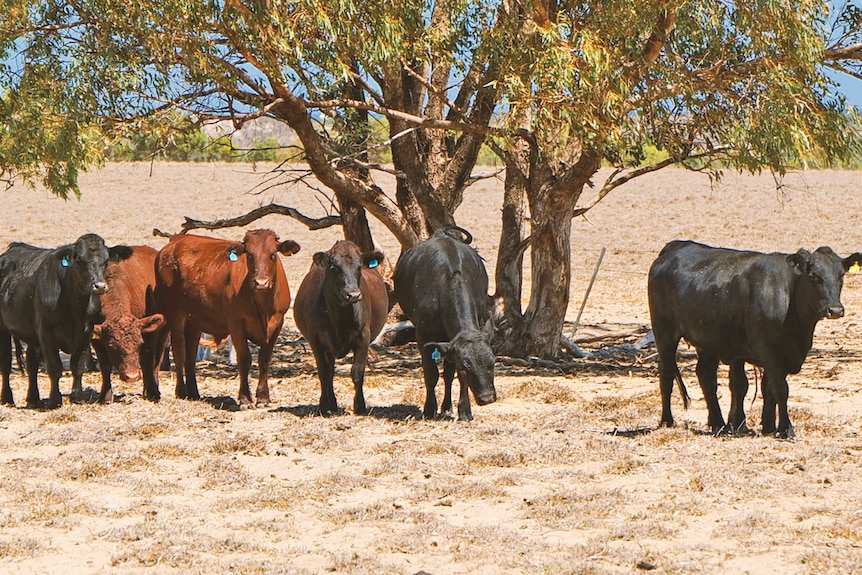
[(256, 214), (607, 336)]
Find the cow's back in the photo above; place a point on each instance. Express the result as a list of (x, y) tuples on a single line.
[(436, 279), (195, 278), (129, 280), (18, 276), (719, 299)]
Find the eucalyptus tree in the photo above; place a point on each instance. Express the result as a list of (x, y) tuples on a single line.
[(556, 89)]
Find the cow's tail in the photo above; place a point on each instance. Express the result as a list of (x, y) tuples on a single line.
[(686, 399), (458, 233)]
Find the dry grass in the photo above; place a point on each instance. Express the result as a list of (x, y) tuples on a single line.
[(566, 474)]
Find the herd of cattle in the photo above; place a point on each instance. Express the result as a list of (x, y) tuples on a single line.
[(734, 307)]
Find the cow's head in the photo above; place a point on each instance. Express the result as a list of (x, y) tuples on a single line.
[(85, 262), (474, 361), (123, 337), (820, 277), (261, 248), (343, 268)]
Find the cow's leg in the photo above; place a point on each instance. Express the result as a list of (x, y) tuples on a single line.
[(34, 359), (431, 374), (738, 389), (178, 350), (780, 393), (464, 411), (106, 394), (6, 367), (151, 355), (768, 416), (325, 361), (264, 359), (192, 338), (243, 360), (76, 365), (667, 372), (707, 376), (448, 378), (357, 374), (54, 367)]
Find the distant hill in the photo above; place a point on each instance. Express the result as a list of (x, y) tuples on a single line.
[(252, 133)]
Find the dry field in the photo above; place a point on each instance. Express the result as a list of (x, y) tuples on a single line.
[(566, 473)]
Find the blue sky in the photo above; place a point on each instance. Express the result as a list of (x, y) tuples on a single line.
[(852, 88)]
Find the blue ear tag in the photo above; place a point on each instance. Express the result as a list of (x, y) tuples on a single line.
[(372, 264), (435, 355), (64, 262), (232, 256)]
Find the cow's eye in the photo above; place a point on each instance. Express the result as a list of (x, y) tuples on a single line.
[(272, 257)]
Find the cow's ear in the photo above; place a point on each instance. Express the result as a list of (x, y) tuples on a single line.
[(152, 323), (119, 253), (372, 259), (443, 348), (488, 328), (852, 263), (322, 259), (288, 247), (800, 260), (235, 251), (65, 256)]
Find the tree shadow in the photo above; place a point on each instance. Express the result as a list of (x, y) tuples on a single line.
[(397, 412)]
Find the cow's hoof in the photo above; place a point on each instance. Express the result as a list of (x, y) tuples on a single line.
[(54, 403), (743, 431), (787, 434)]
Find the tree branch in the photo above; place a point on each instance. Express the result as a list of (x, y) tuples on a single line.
[(256, 214), (426, 123)]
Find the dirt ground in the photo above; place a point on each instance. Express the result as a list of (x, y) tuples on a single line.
[(566, 473)]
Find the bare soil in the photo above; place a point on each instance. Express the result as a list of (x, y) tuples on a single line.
[(566, 473)]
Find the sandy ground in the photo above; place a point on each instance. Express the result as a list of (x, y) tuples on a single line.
[(566, 473)]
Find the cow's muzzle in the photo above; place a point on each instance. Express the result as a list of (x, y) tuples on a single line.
[(262, 283), (353, 296), (486, 397), (130, 377), (100, 287), (834, 312)]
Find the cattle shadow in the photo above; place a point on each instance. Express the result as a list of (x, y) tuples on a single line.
[(224, 403), (397, 412), (699, 431)]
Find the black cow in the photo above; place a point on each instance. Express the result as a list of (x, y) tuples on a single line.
[(49, 298), (341, 306), (442, 287), (736, 307)]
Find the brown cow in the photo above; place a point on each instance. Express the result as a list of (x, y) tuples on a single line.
[(223, 288), (127, 321), (341, 306)]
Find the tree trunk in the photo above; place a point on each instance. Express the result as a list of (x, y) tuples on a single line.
[(509, 275), (354, 222), (552, 201), (550, 243)]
